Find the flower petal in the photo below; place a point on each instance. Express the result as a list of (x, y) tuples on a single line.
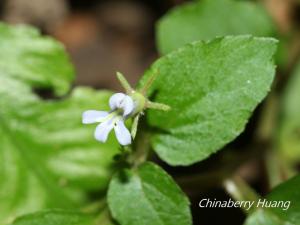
[(103, 129), (93, 116), (115, 100), (127, 105), (122, 133)]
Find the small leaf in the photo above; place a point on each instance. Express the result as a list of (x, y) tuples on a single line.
[(285, 192), (147, 196), (289, 130), (212, 89), (55, 217), (207, 19)]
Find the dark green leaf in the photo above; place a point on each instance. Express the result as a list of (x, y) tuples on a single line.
[(213, 88), (287, 212), (287, 191), (147, 196)]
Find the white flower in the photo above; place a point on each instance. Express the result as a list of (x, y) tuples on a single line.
[(122, 106)]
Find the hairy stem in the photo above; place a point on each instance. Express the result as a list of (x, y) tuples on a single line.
[(124, 83), (157, 105), (149, 82), (141, 148)]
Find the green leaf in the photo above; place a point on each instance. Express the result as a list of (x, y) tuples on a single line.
[(289, 130), (64, 217), (55, 217), (263, 217), (147, 196), (207, 19), (212, 88), (49, 159), (36, 61), (287, 191)]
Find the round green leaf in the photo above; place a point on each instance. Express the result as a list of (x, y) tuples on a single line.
[(147, 196)]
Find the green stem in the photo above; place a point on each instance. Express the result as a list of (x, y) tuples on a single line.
[(149, 82), (239, 190), (142, 149), (268, 120), (134, 126), (104, 218), (141, 146), (95, 206), (277, 168), (124, 83), (273, 169), (156, 105)]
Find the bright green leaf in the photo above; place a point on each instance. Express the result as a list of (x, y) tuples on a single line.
[(64, 217), (147, 196), (213, 88), (289, 130), (36, 61), (285, 192), (207, 19), (48, 158), (55, 217)]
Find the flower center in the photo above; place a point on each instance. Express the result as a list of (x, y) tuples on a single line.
[(139, 102), (114, 116)]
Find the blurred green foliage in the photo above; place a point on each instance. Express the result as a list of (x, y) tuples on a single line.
[(288, 138), (207, 19), (48, 159)]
